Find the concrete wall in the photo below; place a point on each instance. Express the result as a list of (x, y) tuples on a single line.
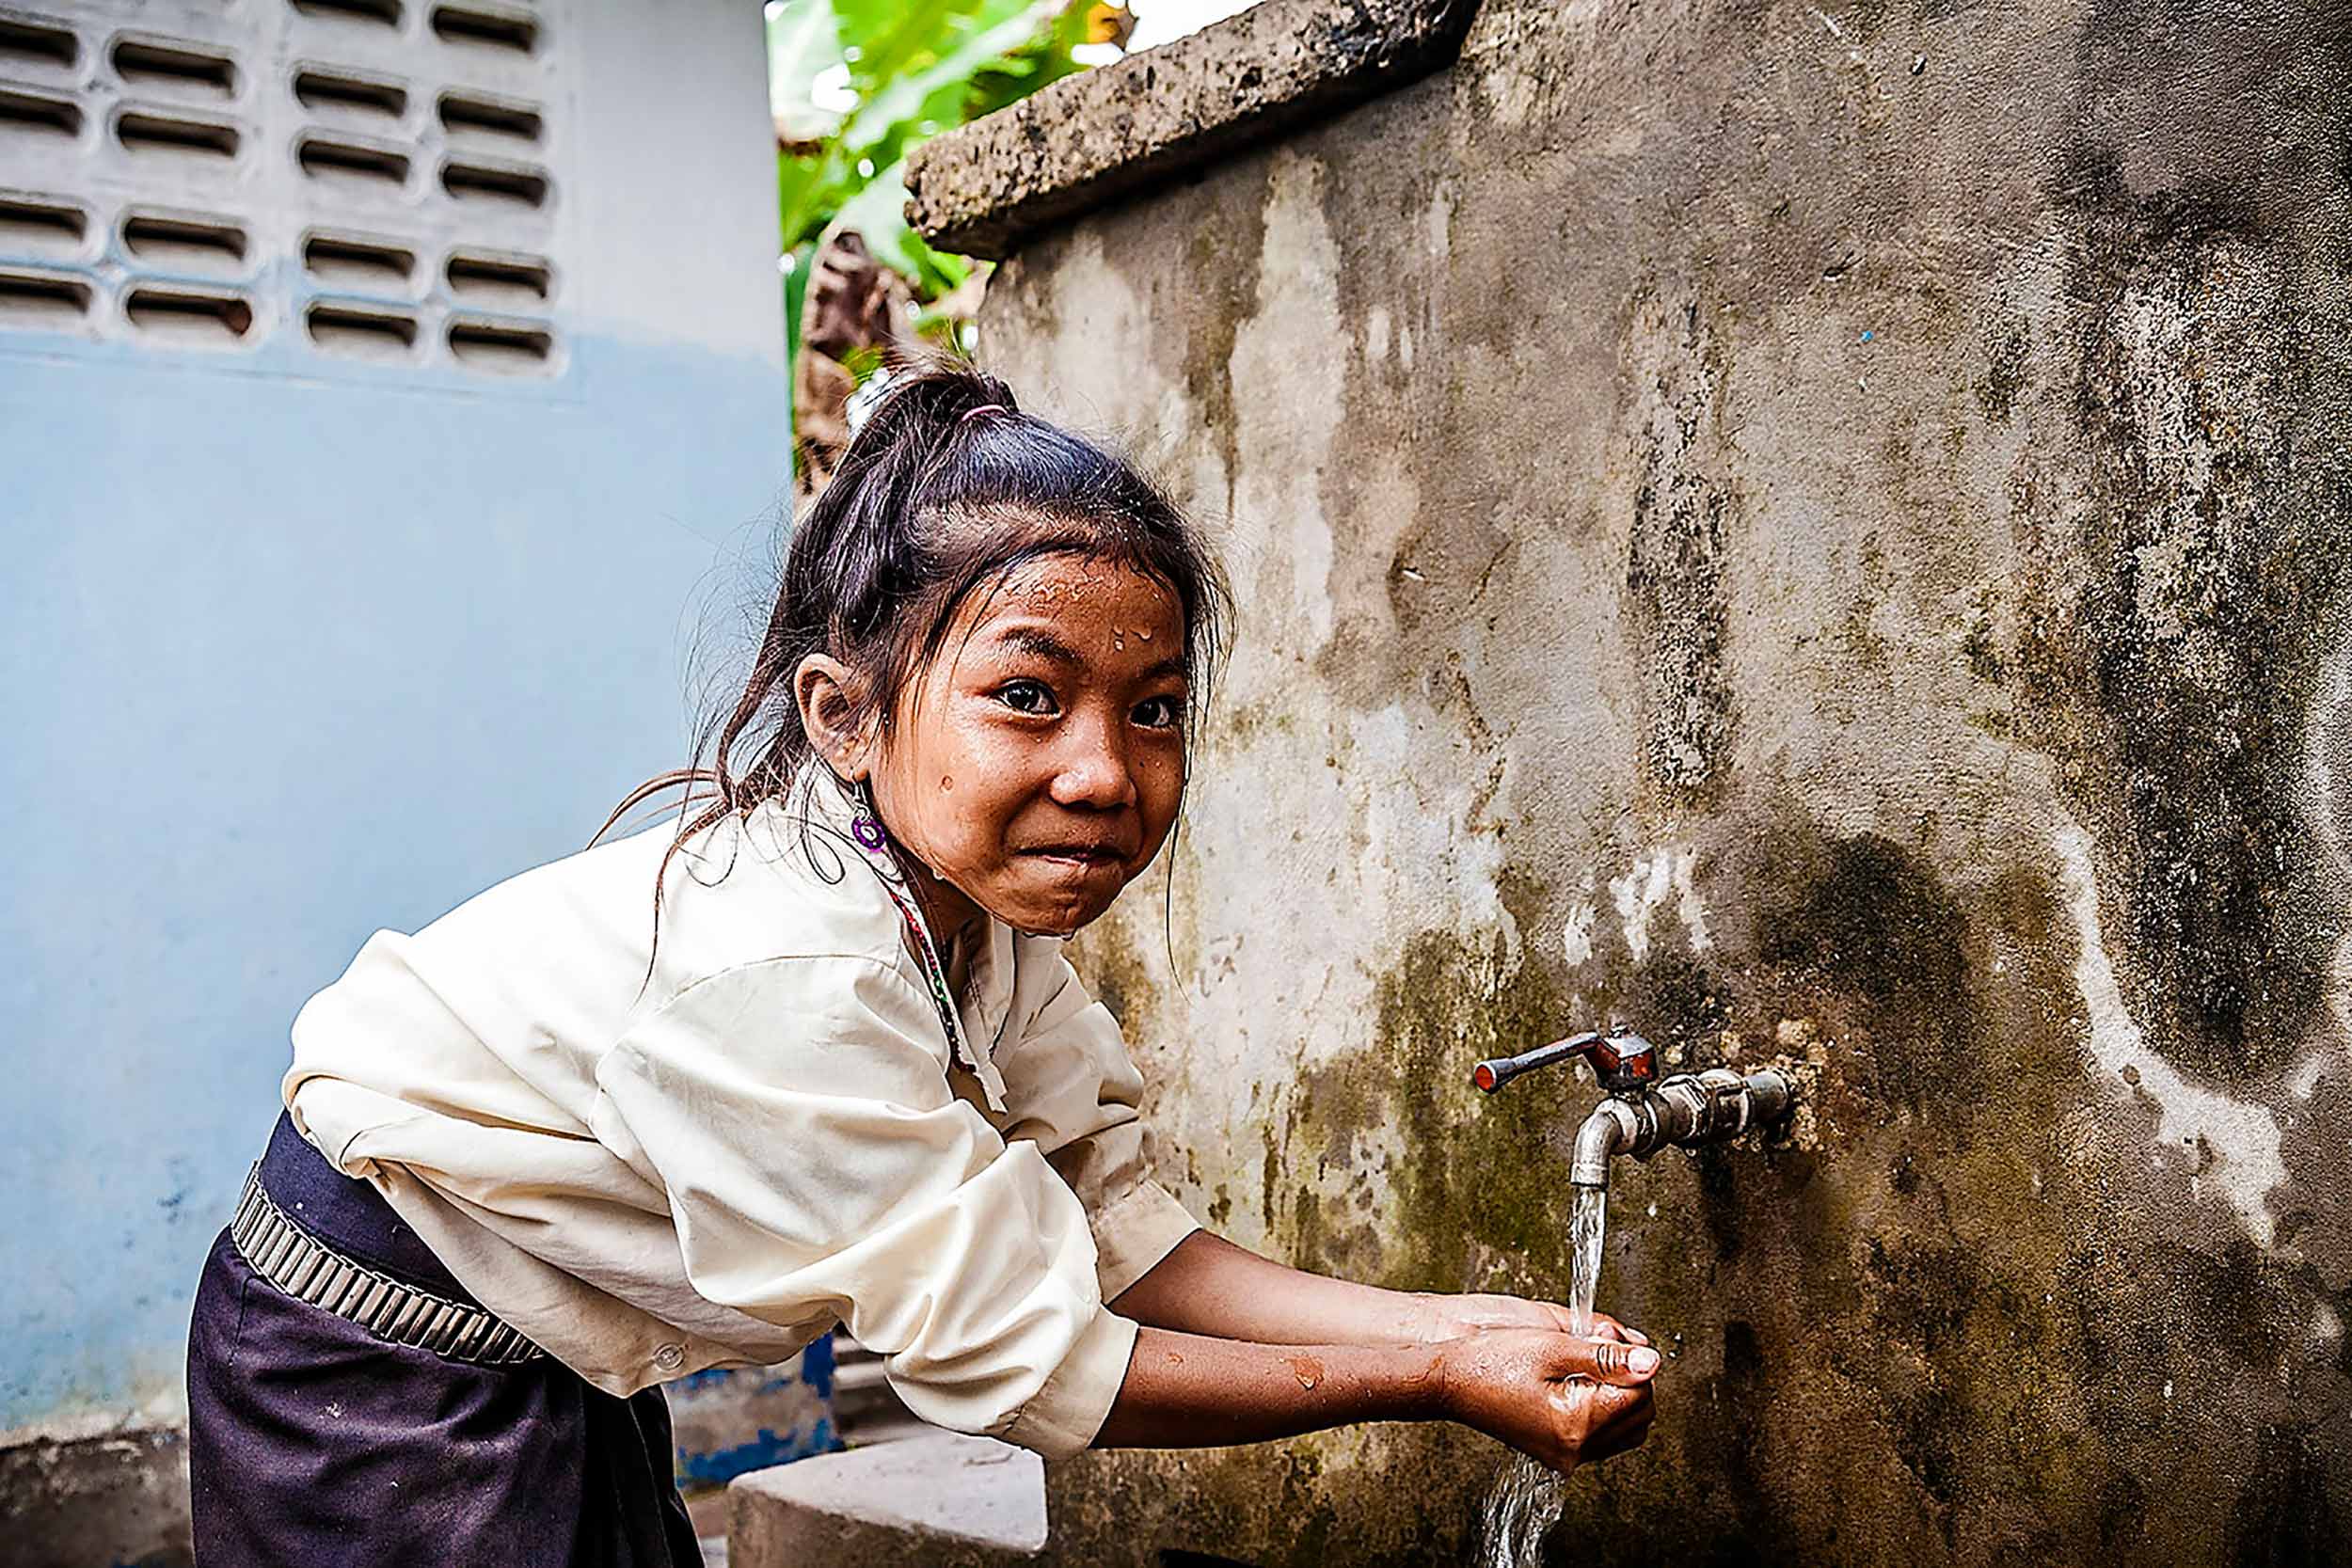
[(312, 628), (1820, 530)]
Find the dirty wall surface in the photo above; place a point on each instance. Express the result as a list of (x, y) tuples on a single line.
[(1821, 533)]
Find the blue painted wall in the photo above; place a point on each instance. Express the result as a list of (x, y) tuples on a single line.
[(296, 649)]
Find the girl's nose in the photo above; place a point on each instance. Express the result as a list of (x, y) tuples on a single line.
[(1094, 773)]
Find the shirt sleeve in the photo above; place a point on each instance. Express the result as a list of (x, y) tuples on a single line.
[(798, 1114), (1075, 1093)]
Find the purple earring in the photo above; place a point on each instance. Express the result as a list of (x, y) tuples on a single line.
[(865, 827)]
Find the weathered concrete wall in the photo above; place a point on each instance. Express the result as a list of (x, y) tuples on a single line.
[(1821, 531)]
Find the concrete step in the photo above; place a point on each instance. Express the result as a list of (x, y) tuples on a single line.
[(942, 1500)]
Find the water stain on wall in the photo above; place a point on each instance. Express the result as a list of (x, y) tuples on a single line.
[(1674, 567)]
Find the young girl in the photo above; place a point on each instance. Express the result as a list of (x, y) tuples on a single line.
[(816, 1056)]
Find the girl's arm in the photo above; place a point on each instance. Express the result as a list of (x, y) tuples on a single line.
[(1563, 1400), (1208, 1286)]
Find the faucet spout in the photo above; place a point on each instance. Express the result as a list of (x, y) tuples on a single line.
[(1614, 1128)]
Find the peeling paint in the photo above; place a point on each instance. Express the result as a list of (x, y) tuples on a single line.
[(1576, 932), (1281, 445), (2241, 1137), (1657, 876)]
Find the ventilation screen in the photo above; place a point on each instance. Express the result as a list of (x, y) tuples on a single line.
[(189, 315), (377, 13), (351, 261), (40, 44), (169, 239), (519, 183), (175, 68), (337, 158), (511, 31), (332, 92), (34, 114), (40, 301), (32, 225), (508, 281), (504, 119), (363, 332), (372, 181), (174, 133)]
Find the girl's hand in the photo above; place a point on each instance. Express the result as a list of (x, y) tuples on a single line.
[(1437, 1318), (1560, 1400)]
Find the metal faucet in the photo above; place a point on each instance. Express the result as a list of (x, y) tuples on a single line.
[(1643, 1113)]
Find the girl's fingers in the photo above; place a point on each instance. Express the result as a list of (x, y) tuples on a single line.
[(1623, 1407), (1606, 1327), (1623, 1437), (1625, 1421), (1605, 1361)]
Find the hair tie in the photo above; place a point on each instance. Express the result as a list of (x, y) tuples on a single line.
[(971, 414)]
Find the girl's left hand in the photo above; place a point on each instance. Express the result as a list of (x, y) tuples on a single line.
[(1438, 1318)]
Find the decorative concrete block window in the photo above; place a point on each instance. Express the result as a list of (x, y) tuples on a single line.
[(369, 180)]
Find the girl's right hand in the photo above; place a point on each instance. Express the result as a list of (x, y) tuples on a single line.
[(1560, 1400)]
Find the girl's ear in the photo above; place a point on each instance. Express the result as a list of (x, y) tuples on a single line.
[(825, 690)]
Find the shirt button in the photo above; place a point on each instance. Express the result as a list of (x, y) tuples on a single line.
[(669, 1358)]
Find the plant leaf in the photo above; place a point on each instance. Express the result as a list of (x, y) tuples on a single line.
[(878, 214), (1000, 27), (804, 42)]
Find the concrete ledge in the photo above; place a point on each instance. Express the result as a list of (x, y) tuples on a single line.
[(943, 1499), (119, 1499), (1106, 134)]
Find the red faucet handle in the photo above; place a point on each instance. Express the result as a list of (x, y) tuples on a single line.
[(1492, 1074), (1622, 1059)]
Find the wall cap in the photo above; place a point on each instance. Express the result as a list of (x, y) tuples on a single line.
[(984, 188)]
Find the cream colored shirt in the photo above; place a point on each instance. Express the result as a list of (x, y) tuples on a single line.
[(771, 1136)]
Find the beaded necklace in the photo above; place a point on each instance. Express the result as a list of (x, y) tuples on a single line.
[(873, 843)]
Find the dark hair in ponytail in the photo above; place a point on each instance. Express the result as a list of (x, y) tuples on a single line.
[(947, 488)]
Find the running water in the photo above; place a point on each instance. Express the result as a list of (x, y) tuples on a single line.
[(1527, 1498)]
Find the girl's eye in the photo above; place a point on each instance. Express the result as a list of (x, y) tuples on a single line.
[(1026, 696), (1160, 713)]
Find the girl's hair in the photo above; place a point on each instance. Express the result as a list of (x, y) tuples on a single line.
[(947, 489)]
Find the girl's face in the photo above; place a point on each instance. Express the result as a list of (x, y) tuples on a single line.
[(1037, 764)]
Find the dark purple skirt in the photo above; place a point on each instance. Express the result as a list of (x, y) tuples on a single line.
[(313, 1444)]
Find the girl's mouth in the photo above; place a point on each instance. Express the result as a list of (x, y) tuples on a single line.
[(1084, 855)]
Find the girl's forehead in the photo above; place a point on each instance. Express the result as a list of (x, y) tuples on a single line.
[(1073, 586)]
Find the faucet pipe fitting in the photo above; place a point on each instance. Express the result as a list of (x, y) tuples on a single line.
[(1643, 1113), (1686, 1111)]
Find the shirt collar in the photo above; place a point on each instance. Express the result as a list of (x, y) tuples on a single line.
[(984, 1000)]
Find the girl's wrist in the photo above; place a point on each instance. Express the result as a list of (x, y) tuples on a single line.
[(1424, 1389), (1436, 1390)]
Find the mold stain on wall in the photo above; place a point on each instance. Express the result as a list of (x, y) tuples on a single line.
[(2190, 565)]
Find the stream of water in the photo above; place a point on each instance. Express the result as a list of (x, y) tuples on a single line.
[(1526, 1499)]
